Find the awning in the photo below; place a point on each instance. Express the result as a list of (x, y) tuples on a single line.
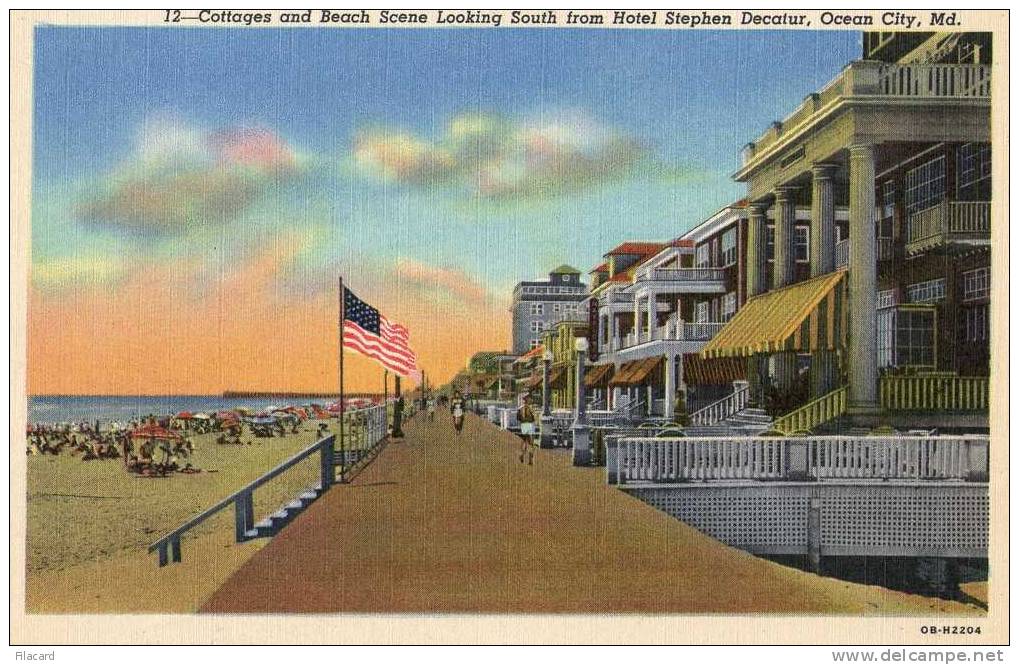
[(637, 372), (697, 371), (599, 375), (804, 317)]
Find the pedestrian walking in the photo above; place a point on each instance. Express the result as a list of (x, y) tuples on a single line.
[(457, 407), (525, 416)]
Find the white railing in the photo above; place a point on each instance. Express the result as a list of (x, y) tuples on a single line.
[(683, 275), (947, 217), (724, 408), (800, 458), (701, 331), (842, 253), (934, 80)]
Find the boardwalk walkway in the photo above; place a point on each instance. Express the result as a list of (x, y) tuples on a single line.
[(441, 523)]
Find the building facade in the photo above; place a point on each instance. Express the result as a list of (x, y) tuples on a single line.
[(539, 305)]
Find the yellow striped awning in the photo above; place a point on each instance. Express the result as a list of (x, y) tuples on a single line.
[(804, 317)]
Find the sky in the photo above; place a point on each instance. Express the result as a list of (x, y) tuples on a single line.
[(197, 192)]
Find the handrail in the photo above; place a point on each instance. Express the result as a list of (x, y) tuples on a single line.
[(169, 544), (812, 414), (721, 409), (934, 393)]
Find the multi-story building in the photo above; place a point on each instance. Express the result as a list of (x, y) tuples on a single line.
[(860, 257), (539, 305), (893, 313)]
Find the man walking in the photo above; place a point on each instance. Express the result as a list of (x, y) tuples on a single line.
[(525, 416)]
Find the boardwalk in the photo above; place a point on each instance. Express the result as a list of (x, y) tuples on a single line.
[(441, 523)]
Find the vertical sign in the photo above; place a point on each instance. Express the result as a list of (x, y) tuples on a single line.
[(592, 329)]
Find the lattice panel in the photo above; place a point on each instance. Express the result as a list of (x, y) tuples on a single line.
[(949, 520), (757, 519)]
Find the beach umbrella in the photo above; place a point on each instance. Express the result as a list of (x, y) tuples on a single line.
[(201, 416)]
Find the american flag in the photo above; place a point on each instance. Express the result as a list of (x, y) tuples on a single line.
[(366, 331)]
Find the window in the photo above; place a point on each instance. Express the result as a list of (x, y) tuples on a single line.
[(728, 305), (537, 309), (801, 243), (974, 165), (702, 313), (556, 308), (535, 343), (905, 337), (537, 326), (929, 291), (729, 247), (976, 284), (888, 201), (886, 299), (977, 325), (567, 278), (925, 185), (704, 256)]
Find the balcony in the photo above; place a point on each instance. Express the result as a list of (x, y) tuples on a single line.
[(683, 275), (873, 80), (949, 223), (671, 332)]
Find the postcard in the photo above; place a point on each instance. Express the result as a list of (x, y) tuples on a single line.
[(509, 326)]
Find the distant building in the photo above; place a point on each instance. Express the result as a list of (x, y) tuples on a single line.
[(539, 305)]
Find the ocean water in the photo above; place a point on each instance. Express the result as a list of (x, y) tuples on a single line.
[(87, 408)]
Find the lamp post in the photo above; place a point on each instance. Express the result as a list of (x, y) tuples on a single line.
[(581, 432), (545, 439)]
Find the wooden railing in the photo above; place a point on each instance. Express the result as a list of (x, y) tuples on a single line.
[(665, 460), (367, 428), (934, 80), (718, 411), (934, 393), (964, 218), (814, 413), (684, 275)]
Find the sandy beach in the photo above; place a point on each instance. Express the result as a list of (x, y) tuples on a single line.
[(90, 523)]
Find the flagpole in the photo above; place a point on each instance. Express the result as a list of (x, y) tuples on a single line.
[(343, 316)]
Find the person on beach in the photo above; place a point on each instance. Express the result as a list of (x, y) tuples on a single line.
[(457, 408), (525, 416)]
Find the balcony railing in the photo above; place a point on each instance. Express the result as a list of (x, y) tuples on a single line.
[(671, 331), (948, 222), (934, 393), (867, 78), (683, 275)]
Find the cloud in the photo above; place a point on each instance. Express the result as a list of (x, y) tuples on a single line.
[(498, 157), (59, 273), (440, 281), (180, 175)]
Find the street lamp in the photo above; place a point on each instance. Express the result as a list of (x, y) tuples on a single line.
[(581, 432), (546, 393)]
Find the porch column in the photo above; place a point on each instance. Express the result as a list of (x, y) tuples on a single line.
[(652, 315), (822, 221), (636, 317), (756, 248), (580, 430), (862, 280), (785, 221), (671, 379)]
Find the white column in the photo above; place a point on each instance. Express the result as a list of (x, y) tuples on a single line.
[(756, 249), (862, 280), (785, 224), (670, 386), (822, 221), (652, 315)]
